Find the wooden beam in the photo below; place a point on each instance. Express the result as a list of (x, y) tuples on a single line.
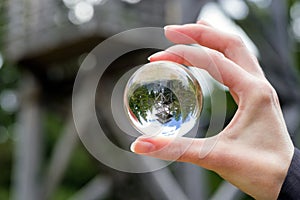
[(60, 53)]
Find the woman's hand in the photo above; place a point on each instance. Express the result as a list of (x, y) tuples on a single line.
[(254, 151)]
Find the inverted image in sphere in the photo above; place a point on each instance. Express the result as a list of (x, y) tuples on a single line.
[(163, 98)]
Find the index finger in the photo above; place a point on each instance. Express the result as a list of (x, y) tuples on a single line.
[(230, 45), (219, 67)]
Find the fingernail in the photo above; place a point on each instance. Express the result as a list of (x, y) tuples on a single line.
[(150, 58), (168, 27), (142, 147)]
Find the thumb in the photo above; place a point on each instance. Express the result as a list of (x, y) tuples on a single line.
[(174, 148)]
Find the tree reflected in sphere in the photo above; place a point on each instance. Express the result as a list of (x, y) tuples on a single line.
[(163, 98)]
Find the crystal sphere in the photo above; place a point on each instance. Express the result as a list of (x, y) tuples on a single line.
[(163, 98)]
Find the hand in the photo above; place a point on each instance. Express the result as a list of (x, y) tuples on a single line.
[(254, 151)]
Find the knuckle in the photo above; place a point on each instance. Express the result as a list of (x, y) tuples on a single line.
[(264, 93), (234, 42), (213, 58), (216, 55), (237, 41)]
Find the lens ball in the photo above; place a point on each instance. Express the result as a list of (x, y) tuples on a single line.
[(163, 98)]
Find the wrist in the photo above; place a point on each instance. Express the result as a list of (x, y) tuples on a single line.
[(276, 174)]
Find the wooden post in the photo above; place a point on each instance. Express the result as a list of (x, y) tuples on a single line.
[(60, 158), (193, 180), (28, 144)]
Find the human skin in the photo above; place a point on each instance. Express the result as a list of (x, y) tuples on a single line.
[(254, 151)]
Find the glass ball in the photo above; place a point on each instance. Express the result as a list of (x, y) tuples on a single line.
[(163, 98)]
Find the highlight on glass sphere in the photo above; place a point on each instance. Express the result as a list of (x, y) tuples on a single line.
[(163, 98)]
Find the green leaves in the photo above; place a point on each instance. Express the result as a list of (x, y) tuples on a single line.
[(170, 96)]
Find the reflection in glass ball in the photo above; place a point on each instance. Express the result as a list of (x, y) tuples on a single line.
[(163, 98)]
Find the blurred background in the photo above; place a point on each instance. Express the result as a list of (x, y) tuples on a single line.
[(43, 43)]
